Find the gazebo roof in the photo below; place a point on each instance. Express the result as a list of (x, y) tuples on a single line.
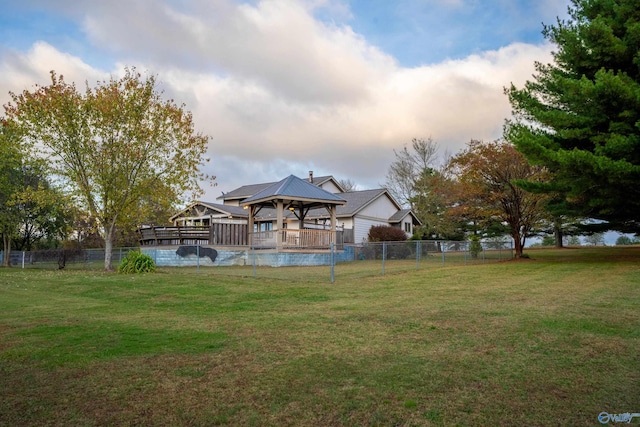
[(294, 191)]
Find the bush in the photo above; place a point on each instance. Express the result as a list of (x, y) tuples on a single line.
[(136, 262), (386, 233), (475, 247), (624, 240)]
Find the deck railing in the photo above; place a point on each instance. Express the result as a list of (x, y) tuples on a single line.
[(293, 238), (195, 235), (236, 235)]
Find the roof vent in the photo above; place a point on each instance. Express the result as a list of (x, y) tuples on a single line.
[(311, 177)]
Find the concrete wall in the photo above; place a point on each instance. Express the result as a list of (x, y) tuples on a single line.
[(167, 257)]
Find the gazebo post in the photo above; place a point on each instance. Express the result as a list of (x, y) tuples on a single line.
[(250, 225), (279, 221), (332, 212), (301, 226)]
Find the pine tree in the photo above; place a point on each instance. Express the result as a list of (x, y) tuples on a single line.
[(580, 116)]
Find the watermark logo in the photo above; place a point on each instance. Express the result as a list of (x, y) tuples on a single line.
[(605, 417)]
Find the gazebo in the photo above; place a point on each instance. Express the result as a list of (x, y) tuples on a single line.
[(297, 196)]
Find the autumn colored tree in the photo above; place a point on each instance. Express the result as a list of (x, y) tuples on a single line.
[(580, 116), (115, 145), (487, 175)]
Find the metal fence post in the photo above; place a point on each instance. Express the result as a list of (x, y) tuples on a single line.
[(198, 258), (442, 250), (23, 260), (384, 255), (253, 261), (417, 253), (467, 248), (332, 261)]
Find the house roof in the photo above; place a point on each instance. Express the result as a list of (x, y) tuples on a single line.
[(293, 189), (401, 214), (246, 191), (234, 211), (313, 196), (355, 202)]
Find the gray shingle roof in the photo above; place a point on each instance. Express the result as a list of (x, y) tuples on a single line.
[(399, 216), (232, 210), (293, 188), (227, 210), (356, 201), (245, 191)]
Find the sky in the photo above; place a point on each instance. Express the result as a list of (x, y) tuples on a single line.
[(286, 87)]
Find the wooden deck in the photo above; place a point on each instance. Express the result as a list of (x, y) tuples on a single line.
[(216, 234), (236, 235)]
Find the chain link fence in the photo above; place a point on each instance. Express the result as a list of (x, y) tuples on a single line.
[(348, 262), (79, 259)]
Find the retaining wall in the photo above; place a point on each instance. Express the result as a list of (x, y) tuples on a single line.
[(169, 257)]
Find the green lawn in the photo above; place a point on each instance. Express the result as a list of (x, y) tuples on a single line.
[(551, 340)]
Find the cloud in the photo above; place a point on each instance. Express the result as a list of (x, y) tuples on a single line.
[(282, 92), (277, 44), (21, 71)]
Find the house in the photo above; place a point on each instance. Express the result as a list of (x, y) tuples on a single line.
[(360, 211)]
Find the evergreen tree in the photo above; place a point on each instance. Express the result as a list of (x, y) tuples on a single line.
[(580, 116)]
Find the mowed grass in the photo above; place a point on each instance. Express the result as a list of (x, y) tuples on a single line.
[(551, 340)]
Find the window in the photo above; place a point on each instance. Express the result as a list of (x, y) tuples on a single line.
[(263, 226), (407, 227)]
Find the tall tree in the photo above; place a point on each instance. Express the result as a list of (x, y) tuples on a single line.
[(30, 208), (416, 181), (432, 202), (347, 185), (487, 176), (44, 211), (115, 144), (409, 167), (580, 116), (10, 169)]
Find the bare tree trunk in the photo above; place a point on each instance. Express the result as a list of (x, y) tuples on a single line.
[(518, 243), (6, 250), (108, 246), (557, 233)]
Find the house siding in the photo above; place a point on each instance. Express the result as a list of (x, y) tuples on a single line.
[(362, 227), (330, 187), (403, 226), (382, 208)]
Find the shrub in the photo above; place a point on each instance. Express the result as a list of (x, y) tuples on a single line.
[(475, 247), (136, 262), (624, 240), (386, 233)]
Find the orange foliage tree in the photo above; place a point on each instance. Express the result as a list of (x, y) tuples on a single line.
[(487, 176)]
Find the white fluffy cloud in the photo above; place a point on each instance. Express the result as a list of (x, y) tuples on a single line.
[(281, 92)]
